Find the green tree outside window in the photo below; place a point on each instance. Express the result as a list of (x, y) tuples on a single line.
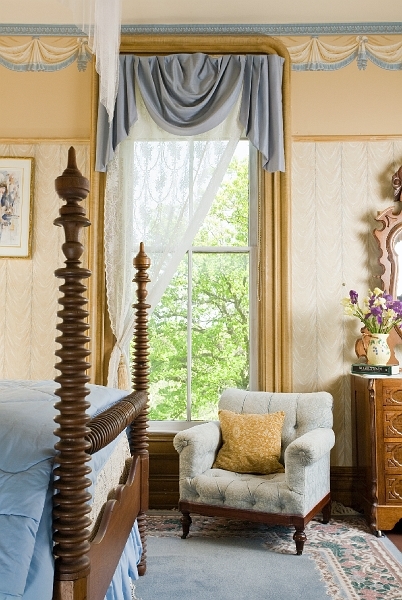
[(199, 332)]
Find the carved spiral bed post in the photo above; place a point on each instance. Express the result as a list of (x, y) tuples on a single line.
[(70, 507), (140, 382)]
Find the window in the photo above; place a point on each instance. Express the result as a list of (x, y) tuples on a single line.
[(121, 239), (274, 260), (201, 330)]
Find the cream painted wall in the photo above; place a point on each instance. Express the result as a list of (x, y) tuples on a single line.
[(210, 11), (258, 11), (347, 102), (46, 104)]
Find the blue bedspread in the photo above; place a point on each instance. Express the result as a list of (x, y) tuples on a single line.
[(26, 465)]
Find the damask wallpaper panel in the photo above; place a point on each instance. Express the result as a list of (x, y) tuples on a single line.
[(28, 288), (337, 189)]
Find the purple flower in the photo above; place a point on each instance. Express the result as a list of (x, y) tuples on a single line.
[(397, 307), (379, 313), (376, 311), (353, 296)]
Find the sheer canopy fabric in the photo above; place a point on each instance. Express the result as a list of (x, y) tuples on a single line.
[(101, 21), (188, 94)]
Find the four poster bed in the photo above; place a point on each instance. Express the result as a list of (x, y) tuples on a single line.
[(92, 421)]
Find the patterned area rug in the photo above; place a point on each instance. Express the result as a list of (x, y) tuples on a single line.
[(353, 563)]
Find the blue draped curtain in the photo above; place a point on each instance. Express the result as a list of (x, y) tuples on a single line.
[(189, 94)]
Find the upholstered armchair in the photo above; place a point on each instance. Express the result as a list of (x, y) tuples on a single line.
[(293, 494)]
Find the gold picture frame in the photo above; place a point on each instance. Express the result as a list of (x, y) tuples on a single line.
[(16, 204)]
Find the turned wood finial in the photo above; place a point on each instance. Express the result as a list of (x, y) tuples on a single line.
[(70, 503), (72, 184)]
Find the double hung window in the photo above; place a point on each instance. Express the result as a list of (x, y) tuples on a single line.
[(202, 331)]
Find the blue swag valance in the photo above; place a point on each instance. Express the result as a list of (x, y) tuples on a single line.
[(189, 94)]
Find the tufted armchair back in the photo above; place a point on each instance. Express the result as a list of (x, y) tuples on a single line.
[(292, 497), (304, 411)]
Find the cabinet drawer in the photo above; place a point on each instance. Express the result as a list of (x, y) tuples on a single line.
[(393, 490), (393, 457), (392, 395), (392, 424)]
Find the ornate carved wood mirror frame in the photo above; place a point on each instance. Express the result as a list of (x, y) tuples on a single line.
[(388, 237)]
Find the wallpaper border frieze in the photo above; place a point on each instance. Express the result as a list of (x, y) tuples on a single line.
[(16, 29), (292, 29), (288, 29), (358, 42)]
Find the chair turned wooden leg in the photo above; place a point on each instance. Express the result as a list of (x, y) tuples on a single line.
[(185, 522), (326, 513), (299, 537)]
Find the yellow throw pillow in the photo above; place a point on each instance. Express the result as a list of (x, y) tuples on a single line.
[(251, 443)]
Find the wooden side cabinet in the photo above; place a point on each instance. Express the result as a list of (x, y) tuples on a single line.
[(377, 448)]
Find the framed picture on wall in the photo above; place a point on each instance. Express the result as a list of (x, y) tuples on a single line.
[(16, 201)]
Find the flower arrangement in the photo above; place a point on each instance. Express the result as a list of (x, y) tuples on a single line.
[(379, 312)]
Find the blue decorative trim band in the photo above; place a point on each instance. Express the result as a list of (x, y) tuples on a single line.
[(308, 29), (297, 29), (41, 30)]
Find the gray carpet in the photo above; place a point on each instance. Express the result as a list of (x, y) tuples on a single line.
[(225, 569)]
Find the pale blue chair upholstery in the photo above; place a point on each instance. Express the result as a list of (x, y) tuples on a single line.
[(290, 498)]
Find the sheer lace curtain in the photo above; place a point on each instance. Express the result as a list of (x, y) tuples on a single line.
[(159, 189)]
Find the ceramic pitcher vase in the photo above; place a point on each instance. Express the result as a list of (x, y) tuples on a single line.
[(378, 352)]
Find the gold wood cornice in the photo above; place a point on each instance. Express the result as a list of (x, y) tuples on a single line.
[(211, 44)]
